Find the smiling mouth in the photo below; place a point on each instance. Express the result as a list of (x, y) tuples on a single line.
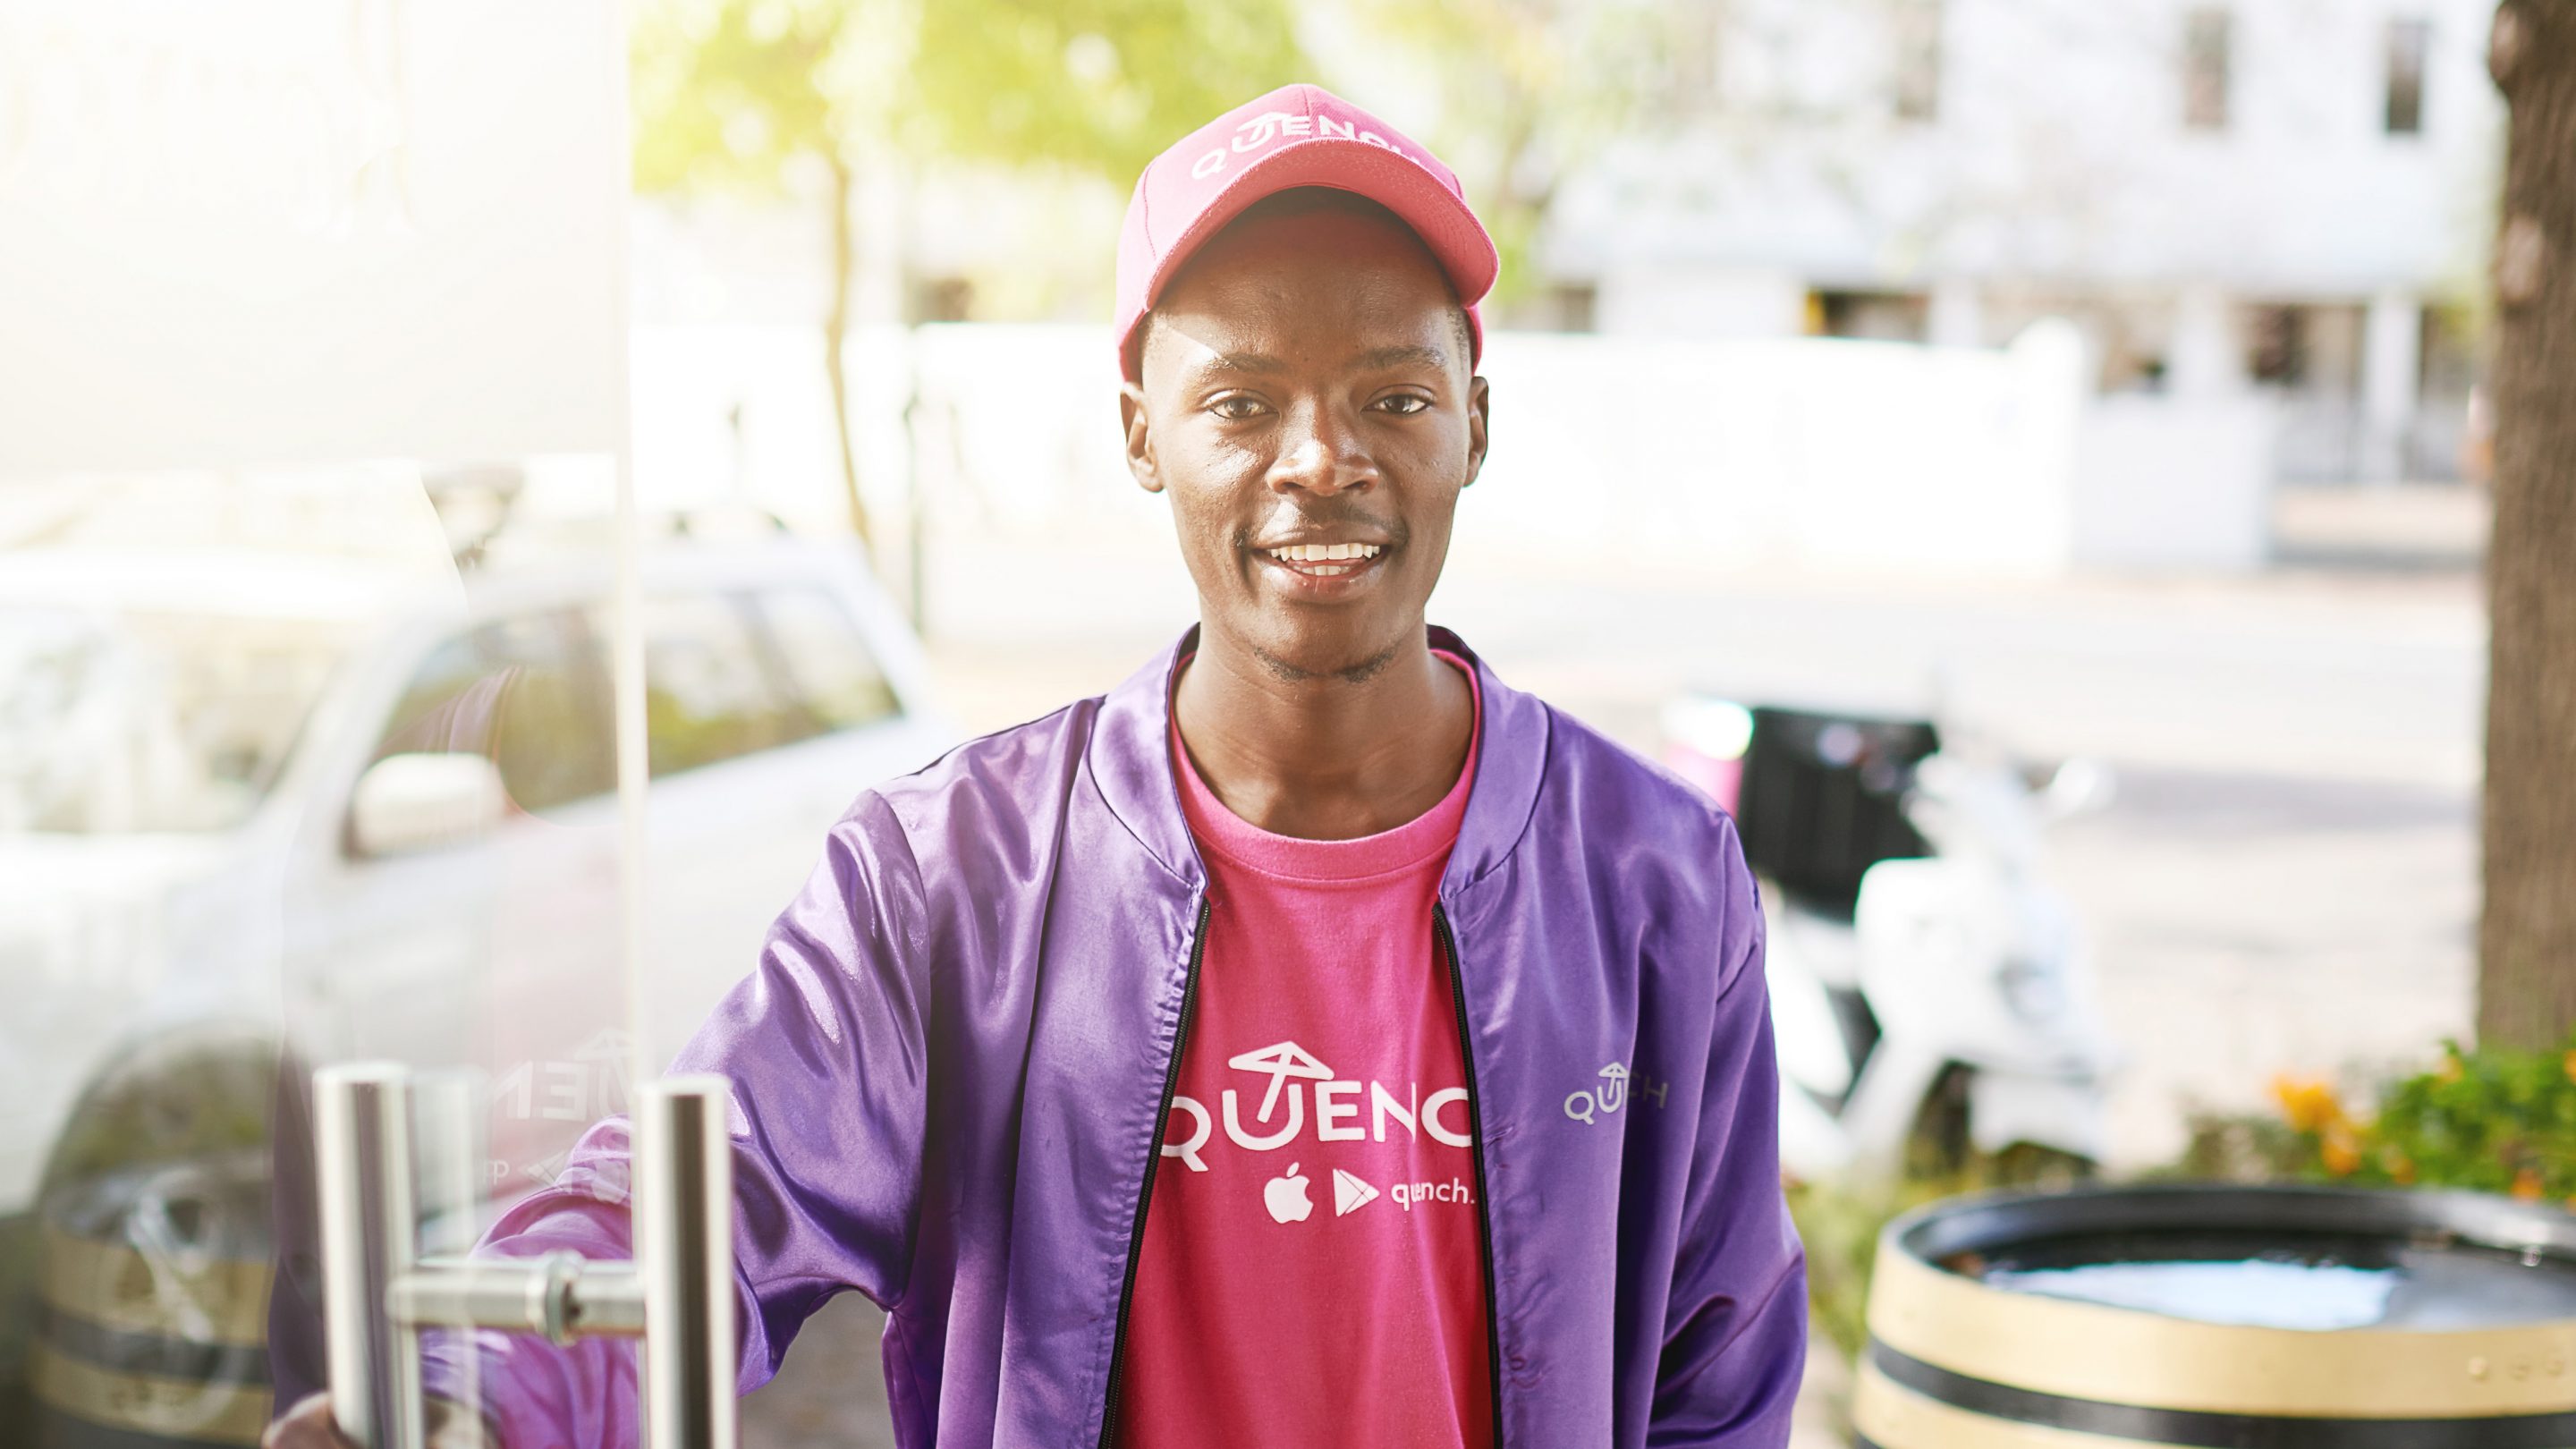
[(1324, 560)]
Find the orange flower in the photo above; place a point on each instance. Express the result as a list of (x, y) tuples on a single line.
[(2526, 1185), (2399, 1167), (2568, 1062), (2341, 1153), (2309, 1103)]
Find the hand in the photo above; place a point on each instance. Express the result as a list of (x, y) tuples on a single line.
[(309, 1425)]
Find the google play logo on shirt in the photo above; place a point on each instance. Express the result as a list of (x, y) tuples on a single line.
[(1285, 1195)]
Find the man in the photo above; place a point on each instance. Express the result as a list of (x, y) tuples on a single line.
[(1311, 1041)]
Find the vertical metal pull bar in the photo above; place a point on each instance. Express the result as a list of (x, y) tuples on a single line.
[(362, 1146), (684, 1250), (679, 1291)]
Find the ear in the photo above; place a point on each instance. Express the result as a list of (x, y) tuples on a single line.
[(1480, 406), (1140, 438)]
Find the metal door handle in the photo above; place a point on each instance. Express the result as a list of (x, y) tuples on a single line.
[(678, 1294)]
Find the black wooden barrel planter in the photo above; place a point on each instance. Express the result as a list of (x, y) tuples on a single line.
[(2231, 1317), (154, 1309)]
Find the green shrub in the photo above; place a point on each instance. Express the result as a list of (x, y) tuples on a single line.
[(2493, 1119)]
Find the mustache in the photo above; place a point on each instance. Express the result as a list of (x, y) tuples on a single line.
[(1325, 519)]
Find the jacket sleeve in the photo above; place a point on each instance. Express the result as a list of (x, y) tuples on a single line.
[(1735, 1328), (825, 1046)]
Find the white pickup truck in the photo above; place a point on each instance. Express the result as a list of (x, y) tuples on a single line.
[(259, 806)]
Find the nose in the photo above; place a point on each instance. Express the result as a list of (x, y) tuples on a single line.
[(1320, 452)]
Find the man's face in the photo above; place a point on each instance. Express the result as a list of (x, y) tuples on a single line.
[(1305, 384)]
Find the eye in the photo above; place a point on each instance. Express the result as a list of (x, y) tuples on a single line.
[(1403, 404), (1237, 407)]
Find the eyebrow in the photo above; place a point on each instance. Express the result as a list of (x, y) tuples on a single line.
[(1380, 357), (1245, 362), (1391, 356)]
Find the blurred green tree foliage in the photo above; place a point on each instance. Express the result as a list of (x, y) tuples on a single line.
[(1530, 90), (735, 93)]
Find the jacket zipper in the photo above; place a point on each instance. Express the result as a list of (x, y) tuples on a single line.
[(1476, 1148), (1153, 1159)]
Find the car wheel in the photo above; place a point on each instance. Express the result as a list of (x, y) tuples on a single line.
[(152, 1238)]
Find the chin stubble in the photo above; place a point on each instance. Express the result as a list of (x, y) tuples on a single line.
[(1360, 673)]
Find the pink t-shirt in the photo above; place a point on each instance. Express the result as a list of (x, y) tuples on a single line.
[(1312, 1270)]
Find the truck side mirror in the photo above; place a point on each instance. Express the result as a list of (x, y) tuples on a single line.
[(2077, 787), (414, 802)]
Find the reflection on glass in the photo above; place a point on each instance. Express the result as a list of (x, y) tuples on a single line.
[(125, 721), (709, 696), (315, 768), (530, 694), (832, 676)]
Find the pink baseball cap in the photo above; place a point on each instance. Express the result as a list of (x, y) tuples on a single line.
[(1300, 135)]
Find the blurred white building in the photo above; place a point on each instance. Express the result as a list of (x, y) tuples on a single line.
[(2232, 198), (2265, 218)]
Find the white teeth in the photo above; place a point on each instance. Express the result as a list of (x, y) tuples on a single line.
[(1319, 552)]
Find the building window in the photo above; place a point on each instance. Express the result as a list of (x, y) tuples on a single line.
[(1873, 316), (2312, 347), (942, 299), (2276, 345), (2406, 43), (2204, 70), (1569, 307), (1918, 60)]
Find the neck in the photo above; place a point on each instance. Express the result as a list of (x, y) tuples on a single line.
[(1324, 757)]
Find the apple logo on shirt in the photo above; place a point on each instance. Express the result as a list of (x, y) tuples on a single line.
[(1285, 1196)]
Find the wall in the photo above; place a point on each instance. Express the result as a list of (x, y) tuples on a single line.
[(2175, 483), (2058, 152), (276, 230)]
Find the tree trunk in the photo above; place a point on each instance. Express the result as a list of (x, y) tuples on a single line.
[(836, 327), (2527, 930)]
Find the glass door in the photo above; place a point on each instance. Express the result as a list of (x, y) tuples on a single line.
[(351, 966)]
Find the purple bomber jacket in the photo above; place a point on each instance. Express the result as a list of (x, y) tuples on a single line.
[(953, 1062)]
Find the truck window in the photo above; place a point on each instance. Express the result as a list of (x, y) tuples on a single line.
[(831, 674), (707, 697), (528, 693)]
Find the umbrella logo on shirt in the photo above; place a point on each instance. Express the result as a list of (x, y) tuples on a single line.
[(1280, 1061)]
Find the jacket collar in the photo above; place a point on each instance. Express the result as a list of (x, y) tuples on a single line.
[(1131, 765)]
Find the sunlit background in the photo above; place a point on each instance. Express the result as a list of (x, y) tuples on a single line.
[(2096, 380)]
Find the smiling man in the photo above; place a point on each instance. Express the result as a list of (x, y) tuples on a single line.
[(1311, 1041)]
